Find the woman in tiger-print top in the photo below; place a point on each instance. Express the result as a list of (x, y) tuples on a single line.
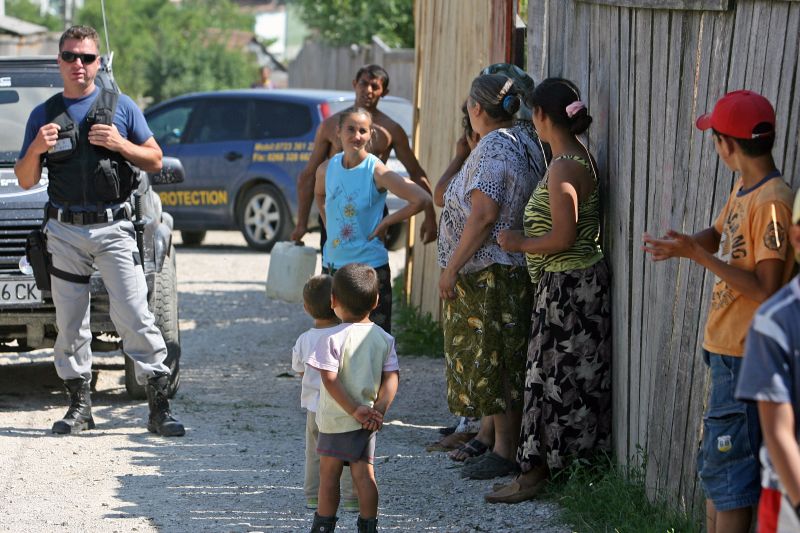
[(568, 380)]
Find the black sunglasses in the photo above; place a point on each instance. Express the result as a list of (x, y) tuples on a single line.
[(71, 57)]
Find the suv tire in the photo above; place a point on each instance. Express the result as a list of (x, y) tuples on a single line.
[(263, 217), (192, 238), (164, 305)]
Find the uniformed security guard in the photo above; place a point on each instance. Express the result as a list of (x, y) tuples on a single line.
[(93, 141)]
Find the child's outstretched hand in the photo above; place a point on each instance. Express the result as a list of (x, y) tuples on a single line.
[(673, 244)]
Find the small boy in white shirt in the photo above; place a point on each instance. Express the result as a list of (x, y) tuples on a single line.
[(317, 303), (358, 366)]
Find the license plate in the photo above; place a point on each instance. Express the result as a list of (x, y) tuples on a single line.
[(22, 292)]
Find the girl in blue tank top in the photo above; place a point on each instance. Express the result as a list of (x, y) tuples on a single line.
[(350, 192)]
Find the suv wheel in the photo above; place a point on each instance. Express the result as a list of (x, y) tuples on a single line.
[(263, 217), (192, 238), (164, 305)]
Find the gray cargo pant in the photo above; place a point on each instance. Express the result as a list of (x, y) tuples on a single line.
[(110, 247)]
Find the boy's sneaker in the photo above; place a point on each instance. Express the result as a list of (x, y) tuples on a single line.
[(311, 503), (350, 506)]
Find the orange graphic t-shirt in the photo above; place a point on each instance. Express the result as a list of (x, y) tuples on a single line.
[(748, 235)]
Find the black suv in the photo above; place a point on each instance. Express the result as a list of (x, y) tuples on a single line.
[(27, 315)]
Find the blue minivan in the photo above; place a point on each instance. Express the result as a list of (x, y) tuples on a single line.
[(242, 151)]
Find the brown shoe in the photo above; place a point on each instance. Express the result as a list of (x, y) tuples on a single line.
[(515, 493), (498, 486)]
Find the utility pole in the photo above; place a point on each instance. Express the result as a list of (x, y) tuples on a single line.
[(2, 8)]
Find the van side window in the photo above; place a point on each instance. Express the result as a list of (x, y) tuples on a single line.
[(280, 120), (169, 124), (222, 120)]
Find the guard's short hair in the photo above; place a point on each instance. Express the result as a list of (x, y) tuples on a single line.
[(355, 287), (317, 297), (79, 33)]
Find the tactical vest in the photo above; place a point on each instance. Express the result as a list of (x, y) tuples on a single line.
[(80, 173)]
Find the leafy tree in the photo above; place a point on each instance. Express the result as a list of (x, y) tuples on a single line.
[(29, 12), (163, 49), (344, 22)]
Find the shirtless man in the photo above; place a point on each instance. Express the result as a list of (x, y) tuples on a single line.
[(370, 85)]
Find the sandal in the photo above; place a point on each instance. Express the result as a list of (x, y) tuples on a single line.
[(471, 448), (448, 430), (491, 466), (515, 493)]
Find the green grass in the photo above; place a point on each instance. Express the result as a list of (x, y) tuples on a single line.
[(602, 496), (415, 333)]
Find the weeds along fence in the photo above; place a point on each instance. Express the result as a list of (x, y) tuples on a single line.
[(647, 69), (319, 66)]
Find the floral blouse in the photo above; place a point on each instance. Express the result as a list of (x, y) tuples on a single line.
[(506, 166)]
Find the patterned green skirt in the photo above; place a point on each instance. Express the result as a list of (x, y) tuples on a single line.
[(485, 340)]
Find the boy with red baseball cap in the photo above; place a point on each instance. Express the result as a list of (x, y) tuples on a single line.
[(747, 250)]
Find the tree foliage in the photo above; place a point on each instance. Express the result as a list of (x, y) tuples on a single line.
[(163, 49), (344, 22), (30, 12)]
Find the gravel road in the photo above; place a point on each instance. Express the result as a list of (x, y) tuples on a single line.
[(240, 466)]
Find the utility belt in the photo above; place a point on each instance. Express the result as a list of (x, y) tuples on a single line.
[(36, 245), (85, 218)]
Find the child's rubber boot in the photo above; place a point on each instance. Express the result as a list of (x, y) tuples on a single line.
[(367, 525), (323, 524)]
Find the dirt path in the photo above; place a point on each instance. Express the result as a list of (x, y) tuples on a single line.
[(240, 466)]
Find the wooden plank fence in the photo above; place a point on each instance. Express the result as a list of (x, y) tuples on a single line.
[(455, 39), (319, 66), (647, 69)]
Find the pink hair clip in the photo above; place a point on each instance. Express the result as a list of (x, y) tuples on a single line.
[(574, 107)]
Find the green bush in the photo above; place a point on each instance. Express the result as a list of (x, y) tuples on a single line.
[(415, 333), (602, 496)]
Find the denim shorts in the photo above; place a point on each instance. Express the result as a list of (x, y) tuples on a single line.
[(728, 458)]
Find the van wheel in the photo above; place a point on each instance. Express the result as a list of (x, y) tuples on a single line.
[(164, 306), (192, 238), (263, 217)]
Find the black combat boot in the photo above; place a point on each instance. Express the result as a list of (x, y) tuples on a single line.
[(323, 524), (367, 525), (79, 414), (161, 420)]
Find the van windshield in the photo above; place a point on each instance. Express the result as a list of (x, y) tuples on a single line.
[(15, 105)]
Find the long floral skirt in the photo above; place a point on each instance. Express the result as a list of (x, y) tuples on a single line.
[(485, 334), (567, 409)]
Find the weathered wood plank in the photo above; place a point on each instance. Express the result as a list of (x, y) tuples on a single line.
[(687, 26), (740, 46), (664, 375), (618, 237), (704, 5), (791, 164), (538, 35), (780, 73), (640, 364), (651, 323), (556, 37)]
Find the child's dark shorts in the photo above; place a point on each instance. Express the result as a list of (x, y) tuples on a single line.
[(728, 458), (351, 446)]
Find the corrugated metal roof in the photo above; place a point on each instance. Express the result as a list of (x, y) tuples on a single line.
[(16, 26)]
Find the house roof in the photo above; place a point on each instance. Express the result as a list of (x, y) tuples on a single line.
[(16, 26)]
